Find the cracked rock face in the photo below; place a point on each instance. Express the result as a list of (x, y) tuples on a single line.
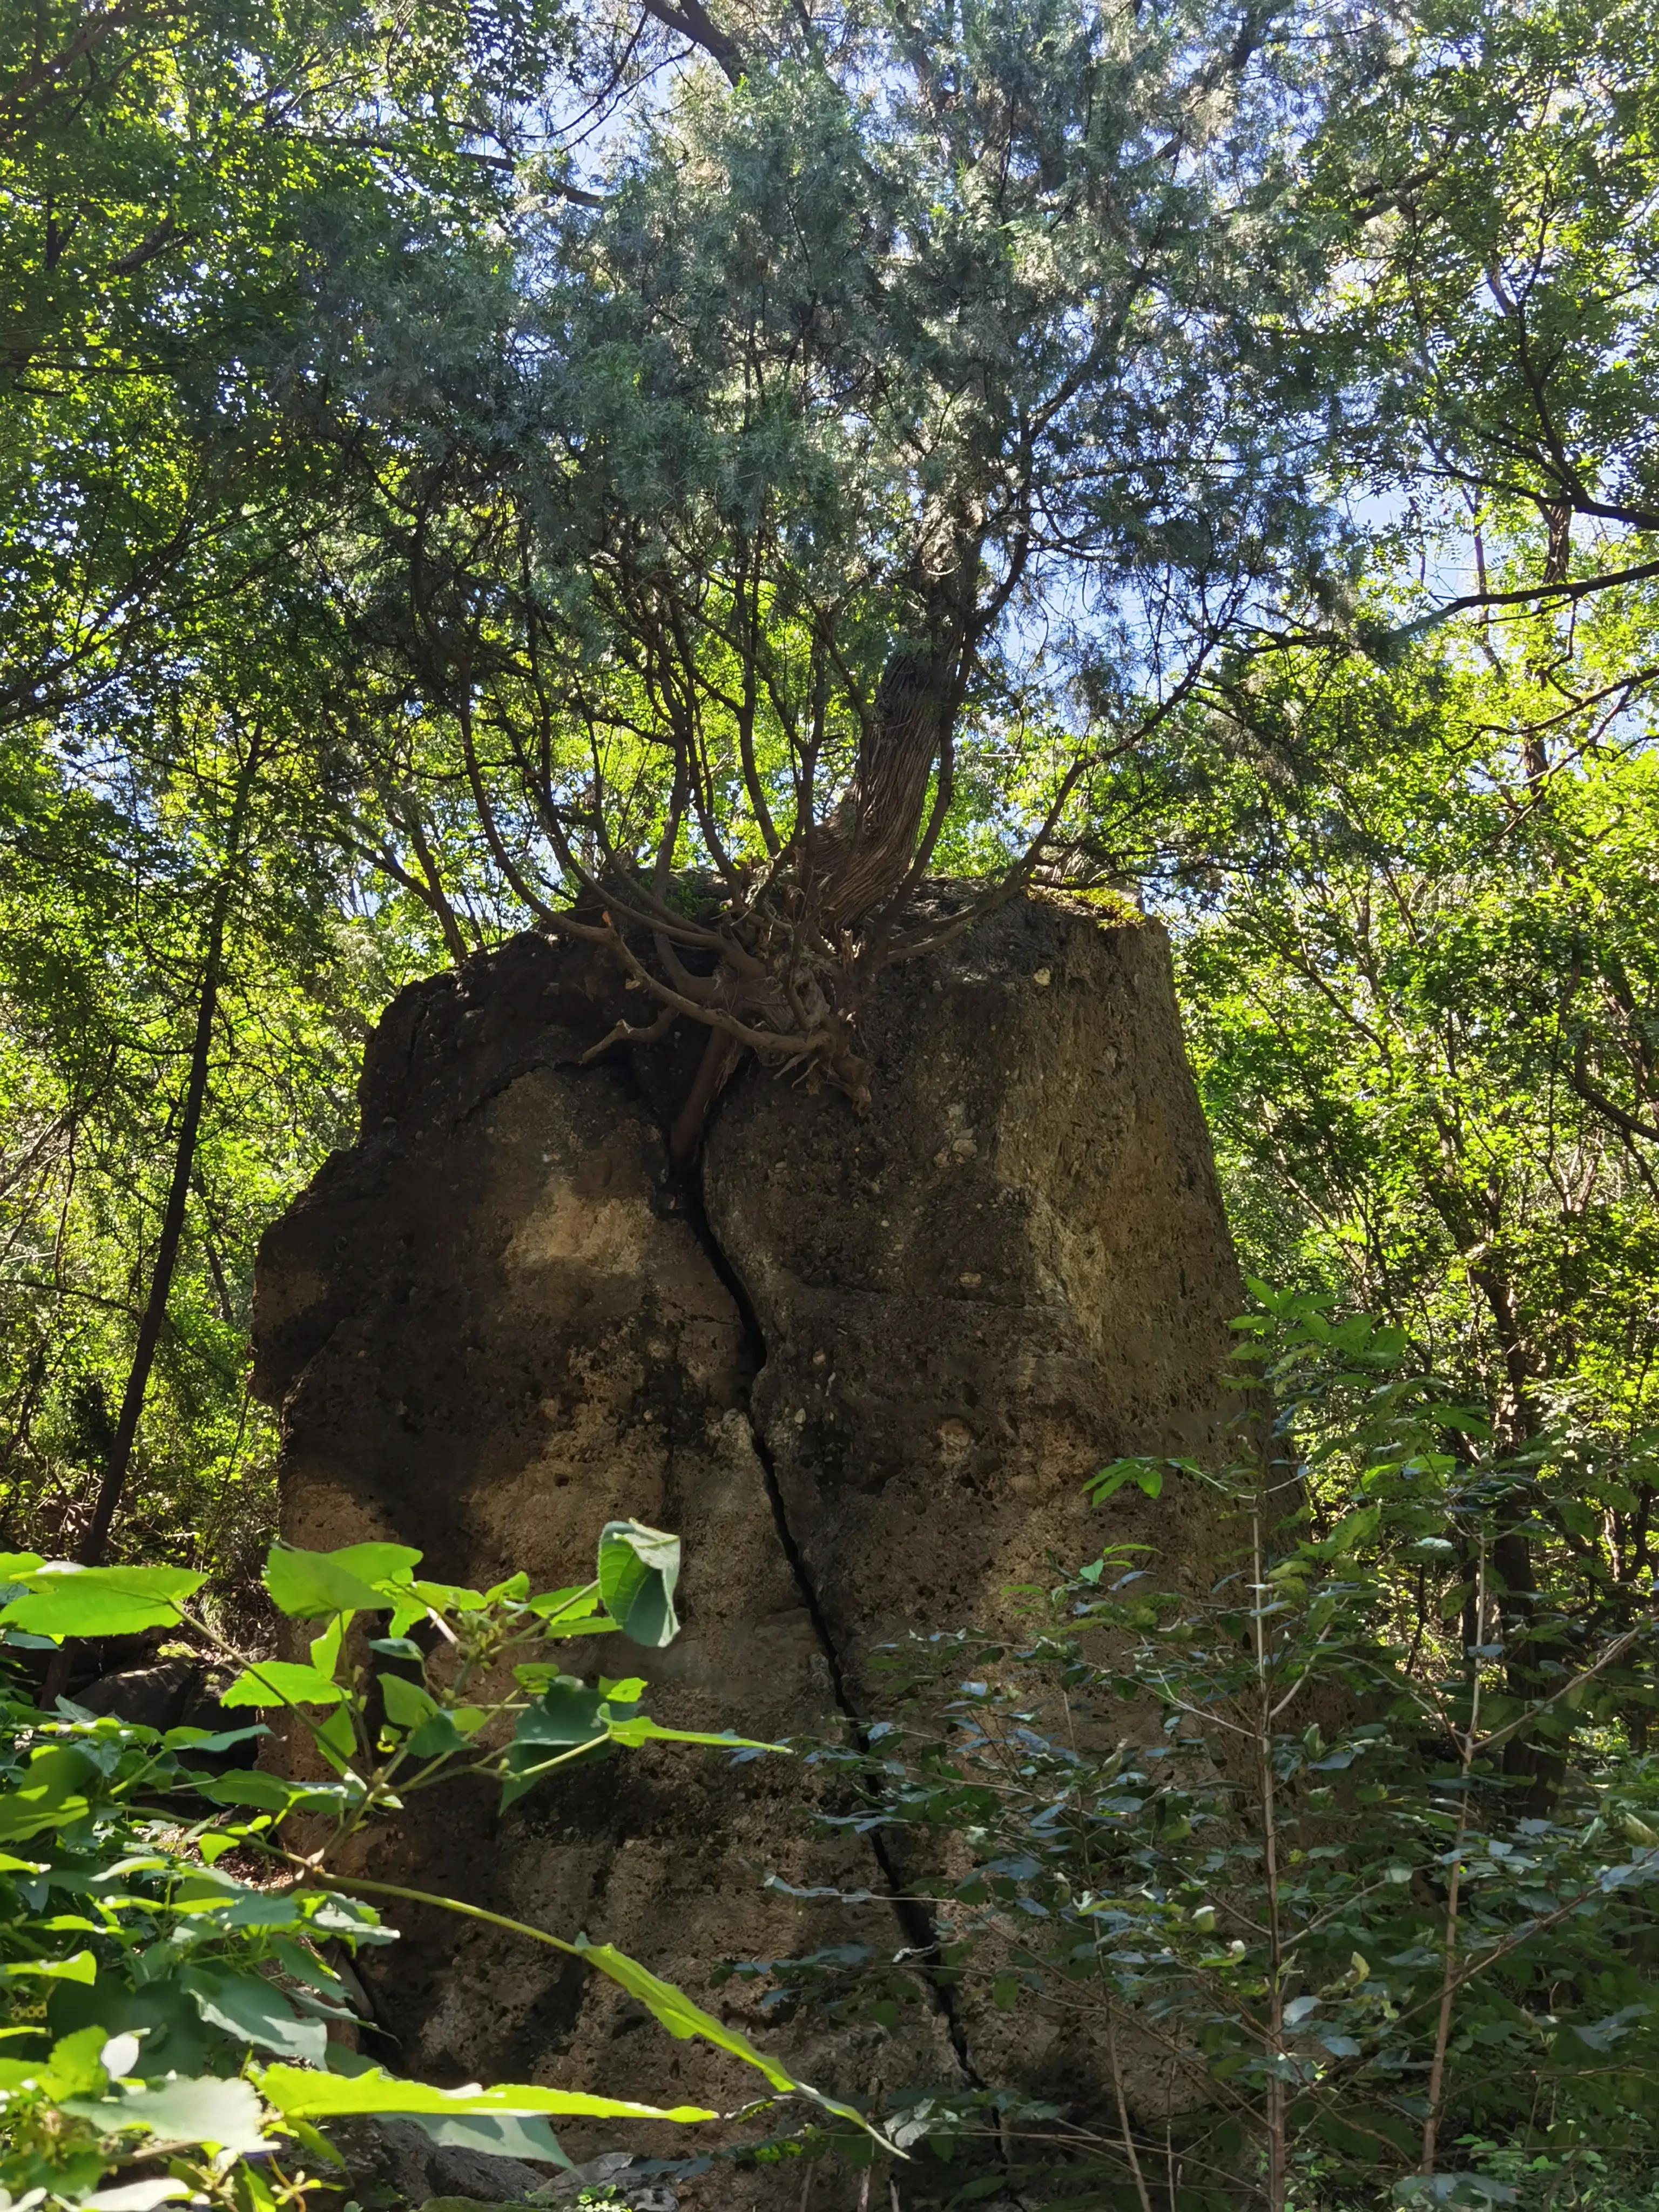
[(862, 1373), (1015, 1267)]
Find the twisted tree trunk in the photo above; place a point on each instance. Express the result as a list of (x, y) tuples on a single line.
[(851, 865)]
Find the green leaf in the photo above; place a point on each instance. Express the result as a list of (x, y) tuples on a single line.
[(496, 2135), (437, 1737), (1352, 1530), (64, 1600), (578, 1602), (336, 1737), (282, 1682), (566, 1714), (272, 1793), (307, 2096), (641, 1729), (449, 1597), (196, 1739), (1145, 1474), (222, 2115), (685, 2020), (638, 1569), (48, 1795), (407, 1705), (251, 2012), (158, 2015), (309, 1585), (136, 2195), (77, 2068), (378, 1563)]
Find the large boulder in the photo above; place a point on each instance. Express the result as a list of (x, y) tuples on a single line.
[(1014, 1267), (861, 1365)]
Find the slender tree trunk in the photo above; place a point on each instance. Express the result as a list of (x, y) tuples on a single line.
[(1467, 1745), (114, 1478), (1278, 2146), (1525, 1761)]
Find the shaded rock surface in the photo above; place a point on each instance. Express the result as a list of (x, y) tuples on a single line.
[(862, 1371)]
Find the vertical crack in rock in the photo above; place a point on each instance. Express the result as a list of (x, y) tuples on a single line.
[(916, 1923)]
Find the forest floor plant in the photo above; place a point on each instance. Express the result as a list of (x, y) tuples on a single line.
[(1369, 1901), (173, 2030)]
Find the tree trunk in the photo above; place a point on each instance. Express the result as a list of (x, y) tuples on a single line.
[(851, 865), (114, 1479)]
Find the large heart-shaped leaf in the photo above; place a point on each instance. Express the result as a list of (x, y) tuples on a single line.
[(310, 1585), (250, 2011), (63, 1600), (47, 1795), (223, 2114), (282, 1682)]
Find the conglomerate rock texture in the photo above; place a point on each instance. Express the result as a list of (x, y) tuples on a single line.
[(862, 1367)]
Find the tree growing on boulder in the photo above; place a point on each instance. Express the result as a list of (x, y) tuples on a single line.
[(887, 455)]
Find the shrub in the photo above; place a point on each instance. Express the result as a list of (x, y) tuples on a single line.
[(166, 2019)]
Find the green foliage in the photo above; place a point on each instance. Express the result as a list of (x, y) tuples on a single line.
[(1265, 1839), (164, 2017), (820, 374), (1419, 978), (1503, 174)]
